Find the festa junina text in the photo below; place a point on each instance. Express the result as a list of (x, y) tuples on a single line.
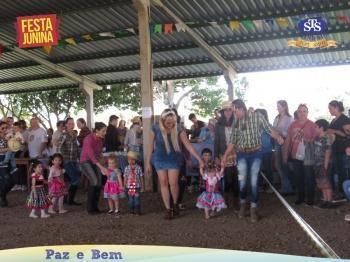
[(37, 31), (94, 254)]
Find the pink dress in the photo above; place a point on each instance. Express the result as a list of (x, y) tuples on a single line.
[(57, 187), (211, 198), (112, 189)]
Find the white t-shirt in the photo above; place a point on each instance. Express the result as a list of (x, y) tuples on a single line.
[(35, 139), (56, 135)]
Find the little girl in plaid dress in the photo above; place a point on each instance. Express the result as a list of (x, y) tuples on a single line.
[(113, 189), (211, 199), (57, 187), (38, 198)]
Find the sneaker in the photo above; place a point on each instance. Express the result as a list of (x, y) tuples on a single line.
[(182, 206), (23, 188), (33, 216), (347, 218), (45, 215), (254, 215), (110, 212), (16, 187), (339, 198), (168, 214)]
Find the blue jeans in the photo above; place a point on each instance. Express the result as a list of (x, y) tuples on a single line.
[(338, 167), (9, 159), (249, 163), (283, 171), (346, 188), (134, 201), (72, 171)]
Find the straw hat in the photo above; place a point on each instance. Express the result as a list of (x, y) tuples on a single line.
[(133, 155), (226, 104), (136, 120)]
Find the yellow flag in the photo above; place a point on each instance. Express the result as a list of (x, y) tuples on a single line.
[(292, 43), (87, 37), (234, 25), (282, 22), (70, 41), (47, 49), (332, 43)]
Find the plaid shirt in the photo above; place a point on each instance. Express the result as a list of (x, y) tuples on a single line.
[(246, 132), (138, 175), (68, 147)]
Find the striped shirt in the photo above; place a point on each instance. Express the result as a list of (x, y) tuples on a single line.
[(246, 132)]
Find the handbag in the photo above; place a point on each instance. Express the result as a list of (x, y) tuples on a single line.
[(300, 154), (309, 159)]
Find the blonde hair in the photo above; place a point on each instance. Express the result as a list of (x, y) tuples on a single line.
[(173, 134)]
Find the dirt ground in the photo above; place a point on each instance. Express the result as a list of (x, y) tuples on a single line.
[(276, 232)]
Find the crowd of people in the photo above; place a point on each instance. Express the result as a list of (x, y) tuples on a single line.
[(307, 159)]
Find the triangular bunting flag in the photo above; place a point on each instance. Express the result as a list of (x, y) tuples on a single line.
[(234, 25), (106, 34), (269, 22), (157, 28), (343, 19), (258, 24), (47, 49), (168, 28), (131, 30), (282, 22), (248, 24), (180, 27), (70, 41), (87, 38)]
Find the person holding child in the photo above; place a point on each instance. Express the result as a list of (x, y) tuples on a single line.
[(57, 187), (38, 198), (133, 182), (211, 200), (113, 189)]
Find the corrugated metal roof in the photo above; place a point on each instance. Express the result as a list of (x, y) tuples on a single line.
[(250, 48)]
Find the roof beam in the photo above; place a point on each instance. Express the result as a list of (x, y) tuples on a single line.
[(182, 76), (59, 69), (182, 62), (173, 47)]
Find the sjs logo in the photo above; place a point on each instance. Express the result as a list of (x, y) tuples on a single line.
[(312, 26)]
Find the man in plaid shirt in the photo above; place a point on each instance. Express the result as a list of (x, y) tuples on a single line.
[(246, 142), (68, 147)]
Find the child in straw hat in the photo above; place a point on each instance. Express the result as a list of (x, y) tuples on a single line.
[(133, 182)]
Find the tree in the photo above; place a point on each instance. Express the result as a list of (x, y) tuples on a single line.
[(241, 86), (204, 95), (59, 104)]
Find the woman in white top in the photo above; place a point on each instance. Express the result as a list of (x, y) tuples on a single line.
[(281, 125)]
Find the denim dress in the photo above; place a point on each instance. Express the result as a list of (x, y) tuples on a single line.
[(160, 158)]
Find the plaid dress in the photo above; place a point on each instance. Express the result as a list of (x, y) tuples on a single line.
[(41, 199)]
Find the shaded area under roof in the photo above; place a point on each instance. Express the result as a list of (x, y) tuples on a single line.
[(256, 46)]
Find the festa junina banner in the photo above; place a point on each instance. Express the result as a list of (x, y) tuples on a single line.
[(84, 253), (38, 30)]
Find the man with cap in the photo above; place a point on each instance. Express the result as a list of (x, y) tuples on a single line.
[(132, 138)]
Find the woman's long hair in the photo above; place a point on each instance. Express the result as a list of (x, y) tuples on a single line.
[(284, 104), (168, 113)]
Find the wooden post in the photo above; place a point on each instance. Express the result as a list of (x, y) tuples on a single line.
[(230, 76), (142, 7), (89, 96)]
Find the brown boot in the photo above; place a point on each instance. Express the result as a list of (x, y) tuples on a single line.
[(254, 215), (241, 213), (168, 214)]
